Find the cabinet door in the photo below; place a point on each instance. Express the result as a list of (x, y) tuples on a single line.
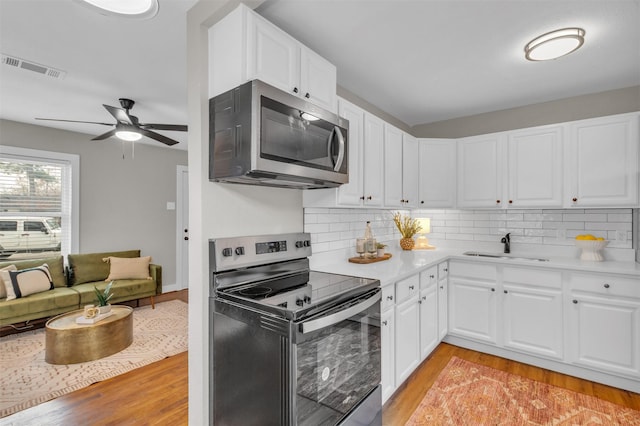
[(388, 353), (480, 171), (533, 320), (472, 309), (535, 168), (605, 333), (407, 339), (437, 175), (272, 55), (373, 160), (602, 159), (443, 309), (410, 169), (429, 333), (393, 167), (350, 194), (317, 79)]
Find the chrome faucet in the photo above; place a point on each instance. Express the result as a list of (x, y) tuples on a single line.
[(506, 240)]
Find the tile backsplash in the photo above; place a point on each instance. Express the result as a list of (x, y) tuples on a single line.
[(333, 229)]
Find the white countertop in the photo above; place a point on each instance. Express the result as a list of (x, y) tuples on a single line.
[(406, 263)]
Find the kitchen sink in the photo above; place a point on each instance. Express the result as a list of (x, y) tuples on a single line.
[(503, 256)]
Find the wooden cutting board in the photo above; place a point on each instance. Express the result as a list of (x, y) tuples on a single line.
[(363, 260)]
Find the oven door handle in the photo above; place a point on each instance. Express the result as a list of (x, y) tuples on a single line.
[(317, 324)]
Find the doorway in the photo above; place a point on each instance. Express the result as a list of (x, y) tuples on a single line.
[(182, 223)]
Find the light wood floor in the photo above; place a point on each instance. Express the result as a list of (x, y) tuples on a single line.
[(157, 393)]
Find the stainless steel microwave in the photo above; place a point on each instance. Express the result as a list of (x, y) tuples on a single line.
[(261, 135)]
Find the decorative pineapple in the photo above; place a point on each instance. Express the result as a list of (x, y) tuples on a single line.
[(408, 227)]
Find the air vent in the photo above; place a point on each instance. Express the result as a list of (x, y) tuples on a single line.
[(12, 61)]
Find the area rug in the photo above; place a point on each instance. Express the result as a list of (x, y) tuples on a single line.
[(27, 380), (466, 393)]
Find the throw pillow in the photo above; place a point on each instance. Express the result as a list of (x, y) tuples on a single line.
[(24, 282), (3, 290), (122, 268)]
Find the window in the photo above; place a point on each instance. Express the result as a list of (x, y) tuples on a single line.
[(38, 203)]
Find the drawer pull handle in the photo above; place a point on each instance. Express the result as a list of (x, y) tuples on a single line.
[(607, 286), (575, 301), (389, 297), (384, 322)]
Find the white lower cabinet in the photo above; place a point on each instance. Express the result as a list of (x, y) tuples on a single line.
[(604, 323), (388, 350), (443, 300), (532, 311), (429, 331), (472, 301), (407, 327)]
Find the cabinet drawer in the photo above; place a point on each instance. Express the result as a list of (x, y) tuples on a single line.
[(443, 270), (532, 276), (407, 288), (611, 285), (388, 297), (429, 277), (473, 270)]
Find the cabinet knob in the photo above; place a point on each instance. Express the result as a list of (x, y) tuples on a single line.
[(406, 201), (401, 201), (441, 287), (362, 198), (389, 297), (574, 199), (369, 197), (295, 90), (421, 202), (420, 302), (306, 95), (411, 287), (186, 238), (607, 286), (424, 297), (505, 292), (493, 289), (510, 201), (446, 269), (432, 276), (384, 322), (497, 201), (575, 301)]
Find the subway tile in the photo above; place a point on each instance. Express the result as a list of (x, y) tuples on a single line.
[(619, 217)]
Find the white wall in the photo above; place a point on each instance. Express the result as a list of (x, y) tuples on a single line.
[(122, 202)]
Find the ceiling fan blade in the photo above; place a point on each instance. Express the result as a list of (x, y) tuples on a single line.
[(74, 121), (157, 136), (119, 114), (173, 127), (105, 135)]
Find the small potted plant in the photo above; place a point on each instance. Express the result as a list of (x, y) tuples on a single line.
[(408, 227), (103, 298), (380, 247)]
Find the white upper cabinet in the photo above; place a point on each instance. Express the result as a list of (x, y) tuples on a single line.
[(244, 46), (534, 168), (400, 168), (480, 171), (602, 162), (365, 156), (437, 173)]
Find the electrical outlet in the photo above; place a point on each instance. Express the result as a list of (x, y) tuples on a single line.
[(621, 236)]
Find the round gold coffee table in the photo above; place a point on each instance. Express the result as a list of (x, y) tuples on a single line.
[(70, 343)]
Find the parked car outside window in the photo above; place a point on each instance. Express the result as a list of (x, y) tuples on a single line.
[(29, 235)]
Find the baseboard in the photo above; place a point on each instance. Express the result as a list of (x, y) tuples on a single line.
[(170, 287)]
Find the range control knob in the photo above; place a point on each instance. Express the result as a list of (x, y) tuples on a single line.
[(307, 243), (299, 244), (299, 302), (240, 251), (226, 252), (307, 300)]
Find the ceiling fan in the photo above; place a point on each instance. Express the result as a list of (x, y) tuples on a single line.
[(127, 126)]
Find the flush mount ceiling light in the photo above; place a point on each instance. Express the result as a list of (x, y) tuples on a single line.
[(127, 133), (554, 44), (138, 9)]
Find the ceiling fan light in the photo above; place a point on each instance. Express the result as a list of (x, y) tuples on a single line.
[(128, 135), (140, 9), (554, 44)]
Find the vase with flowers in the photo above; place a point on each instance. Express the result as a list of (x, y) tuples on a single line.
[(408, 227)]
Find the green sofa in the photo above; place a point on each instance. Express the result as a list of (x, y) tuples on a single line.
[(74, 289)]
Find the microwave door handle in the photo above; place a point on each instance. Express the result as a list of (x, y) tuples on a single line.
[(323, 322), (340, 149), (329, 145)]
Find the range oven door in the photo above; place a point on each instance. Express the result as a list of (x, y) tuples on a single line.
[(337, 358)]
